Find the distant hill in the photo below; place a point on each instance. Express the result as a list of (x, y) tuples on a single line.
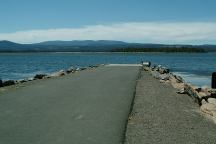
[(90, 46), (82, 43)]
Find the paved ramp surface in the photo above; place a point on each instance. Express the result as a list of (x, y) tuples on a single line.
[(160, 116), (89, 107)]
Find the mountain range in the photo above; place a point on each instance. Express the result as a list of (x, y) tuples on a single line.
[(87, 46)]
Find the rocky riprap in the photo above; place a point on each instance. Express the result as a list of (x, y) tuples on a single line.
[(7, 83), (45, 76), (204, 96)]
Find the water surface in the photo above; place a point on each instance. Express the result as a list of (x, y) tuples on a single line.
[(195, 68)]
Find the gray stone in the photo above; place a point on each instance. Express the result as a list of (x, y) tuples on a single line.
[(179, 79), (70, 70), (204, 102), (163, 70), (39, 76), (22, 81), (8, 83)]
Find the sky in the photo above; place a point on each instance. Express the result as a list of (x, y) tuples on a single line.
[(145, 21)]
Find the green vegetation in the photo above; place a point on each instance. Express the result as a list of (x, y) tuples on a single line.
[(171, 50)]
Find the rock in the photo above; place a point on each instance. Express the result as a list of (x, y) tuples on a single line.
[(179, 79), (155, 74), (214, 116), (196, 88), (192, 93), (163, 70), (208, 108), (22, 81), (83, 68), (57, 74), (203, 102), (178, 86), (175, 83), (30, 79), (202, 95), (1, 83), (39, 76), (153, 68), (48, 76), (212, 101), (94, 66), (70, 70), (181, 91), (157, 68), (213, 92), (78, 69), (164, 77), (162, 81), (8, 83), (146, 68), (205, 88)]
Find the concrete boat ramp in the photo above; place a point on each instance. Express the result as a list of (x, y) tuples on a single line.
[(88, 107)]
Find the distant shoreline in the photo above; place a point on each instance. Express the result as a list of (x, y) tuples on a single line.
[(134, 52), (101, 46)]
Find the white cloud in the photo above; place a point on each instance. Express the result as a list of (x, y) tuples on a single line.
[(145, 32)]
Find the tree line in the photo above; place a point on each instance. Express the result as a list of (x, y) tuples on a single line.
[(184, 49)]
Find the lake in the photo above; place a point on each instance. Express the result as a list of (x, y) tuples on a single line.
[(195, 68)]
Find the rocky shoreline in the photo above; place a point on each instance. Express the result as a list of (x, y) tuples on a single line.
[(70, 70), (204, 96)]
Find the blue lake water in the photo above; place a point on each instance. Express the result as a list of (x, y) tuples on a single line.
[(195, 68)]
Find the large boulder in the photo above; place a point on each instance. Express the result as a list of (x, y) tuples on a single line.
[(1, 83), (40, 76), (208, 108), (203, 94), (192, 93), (212, 101), (203, 102), (8, 83)]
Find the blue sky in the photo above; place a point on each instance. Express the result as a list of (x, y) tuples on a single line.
[(25, 16)]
